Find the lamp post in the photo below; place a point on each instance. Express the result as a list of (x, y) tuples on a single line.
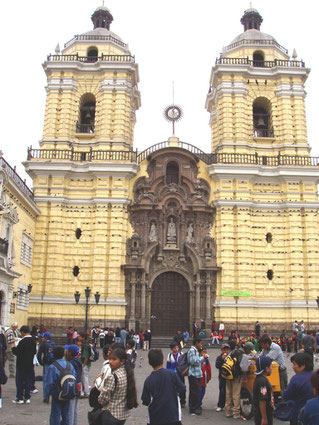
[(87, 292)]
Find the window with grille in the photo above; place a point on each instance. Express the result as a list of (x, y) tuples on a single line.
[(26, 250), (22, 297)]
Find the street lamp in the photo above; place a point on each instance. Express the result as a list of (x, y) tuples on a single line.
[(87, 292)]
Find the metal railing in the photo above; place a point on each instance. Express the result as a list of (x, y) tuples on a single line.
[(260, 64), (263, 132), (95, 37), (80, 156), (256, 42), (16, 178), (208, 158), (90, 59)]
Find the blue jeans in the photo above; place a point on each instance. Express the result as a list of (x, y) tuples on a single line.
[(59, 409), (202, 394), (73, 411), (222, 393), (46, 394), (24, 383)]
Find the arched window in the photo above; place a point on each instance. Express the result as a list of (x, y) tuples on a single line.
[(262, 118), (87, 114), (258, 59), (172, 173), (92, 54)]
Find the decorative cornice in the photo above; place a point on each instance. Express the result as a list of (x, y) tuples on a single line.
[(285, 89), (46, 299), (80, 201), (286, 205), (81, 170), (253, 303), (261, 173)]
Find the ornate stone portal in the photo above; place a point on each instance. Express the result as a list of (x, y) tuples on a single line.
[(172, 220)]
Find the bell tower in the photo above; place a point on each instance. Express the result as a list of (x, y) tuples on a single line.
[(265, 183), (81, 177), (257, 95), (92, 93)]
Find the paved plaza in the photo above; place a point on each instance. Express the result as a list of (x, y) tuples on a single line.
[(37, 413)]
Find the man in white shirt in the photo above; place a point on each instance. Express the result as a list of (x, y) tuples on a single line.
[(274, 351)]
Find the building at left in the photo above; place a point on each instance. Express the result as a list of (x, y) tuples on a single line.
[(18, 214)]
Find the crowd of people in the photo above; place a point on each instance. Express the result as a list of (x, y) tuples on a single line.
[(65, 374)]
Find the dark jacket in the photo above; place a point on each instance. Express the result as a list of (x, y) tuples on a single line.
[(25, 352)]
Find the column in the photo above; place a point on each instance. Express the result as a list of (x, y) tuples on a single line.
[(132, 323), (197, 298), (208, 300)]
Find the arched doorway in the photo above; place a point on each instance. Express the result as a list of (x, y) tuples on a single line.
[(169, 304)]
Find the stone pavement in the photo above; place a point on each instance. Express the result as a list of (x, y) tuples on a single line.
[(38, 413)]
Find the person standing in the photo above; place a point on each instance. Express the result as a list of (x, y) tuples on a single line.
[(263, 396), (257, 329), (308, 343), (45, 358), (273, 350), (59, 409), (225, 350), (194, 375), (24, 352), (179, 339), (123, 336), (71, 353), (172, 362), (12, 337), (221, 330), (160, 392), (69, 335), (86, 364)]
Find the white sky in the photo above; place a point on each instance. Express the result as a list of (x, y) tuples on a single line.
[(172, 40)]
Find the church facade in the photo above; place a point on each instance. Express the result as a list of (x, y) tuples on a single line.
[(173, 235)]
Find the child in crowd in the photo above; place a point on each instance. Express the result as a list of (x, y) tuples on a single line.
[(310, 413), (131, 353), (172, 360), (225, 350), (160, 392), (59, 409), (118, 395), (72, 355), (207, 374), (263, 397)]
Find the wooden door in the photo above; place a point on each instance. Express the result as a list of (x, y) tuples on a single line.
[(169, 304)]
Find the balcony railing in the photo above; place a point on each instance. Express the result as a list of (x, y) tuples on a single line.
[(90, 59), (80, 156), (84, 128), (208, 158), (16, 178), (256, 42), (260, 64), (95, 37)]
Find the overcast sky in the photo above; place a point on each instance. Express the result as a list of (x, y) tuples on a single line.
[(172, 40)]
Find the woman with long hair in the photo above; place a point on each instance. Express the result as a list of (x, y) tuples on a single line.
[(118, 395)]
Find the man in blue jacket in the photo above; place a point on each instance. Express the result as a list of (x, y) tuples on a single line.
[(45, 358), (59, 409)]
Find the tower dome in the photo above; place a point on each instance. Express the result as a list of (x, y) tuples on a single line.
[(102, 18)]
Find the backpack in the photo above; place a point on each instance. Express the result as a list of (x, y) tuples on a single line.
[(48, 352), (94, 354), (231, 368), (182, 364), (67, 387)]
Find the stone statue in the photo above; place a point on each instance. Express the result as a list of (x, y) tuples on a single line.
[(171, 232), (190, 233), (153, 233)]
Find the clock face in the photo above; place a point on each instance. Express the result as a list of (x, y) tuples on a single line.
[(173, 113)]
